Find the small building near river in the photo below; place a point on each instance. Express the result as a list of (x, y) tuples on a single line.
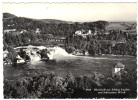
[(116, 70)]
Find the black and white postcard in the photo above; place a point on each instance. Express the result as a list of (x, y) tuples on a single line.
[(69, 50)]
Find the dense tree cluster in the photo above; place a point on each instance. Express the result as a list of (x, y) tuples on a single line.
[(11, 56), (128, 48), (53, 86), (116, 42), (11, 39)]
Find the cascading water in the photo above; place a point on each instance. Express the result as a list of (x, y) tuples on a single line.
[(56, 53), (32, 54)]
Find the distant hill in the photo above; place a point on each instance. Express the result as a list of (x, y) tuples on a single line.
[(113, 26), (54, 21), (8, 15), (133, 26)]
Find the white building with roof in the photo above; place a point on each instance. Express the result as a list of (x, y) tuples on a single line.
[(117, 68)]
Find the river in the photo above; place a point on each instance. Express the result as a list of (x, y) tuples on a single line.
[(62, 63)]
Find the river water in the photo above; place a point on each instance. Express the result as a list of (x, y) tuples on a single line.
[(62, 63)]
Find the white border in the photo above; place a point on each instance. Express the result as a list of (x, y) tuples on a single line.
[(50, 1)]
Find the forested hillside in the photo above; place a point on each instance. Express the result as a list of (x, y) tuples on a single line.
[(50, 27), (8, 15), (116, 42), (29, 27)]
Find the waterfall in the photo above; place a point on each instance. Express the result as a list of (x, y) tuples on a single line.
[(56, 53), (59, 53), (32, 54)]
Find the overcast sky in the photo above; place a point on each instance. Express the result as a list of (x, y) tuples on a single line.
[(80, 12)]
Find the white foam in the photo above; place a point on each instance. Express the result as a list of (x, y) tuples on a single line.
[(32, 54), (59, 53), (41, 47)]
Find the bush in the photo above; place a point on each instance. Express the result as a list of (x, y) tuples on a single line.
[(53, 86)]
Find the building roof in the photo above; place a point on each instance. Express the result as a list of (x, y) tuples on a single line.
[(119, 65)]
